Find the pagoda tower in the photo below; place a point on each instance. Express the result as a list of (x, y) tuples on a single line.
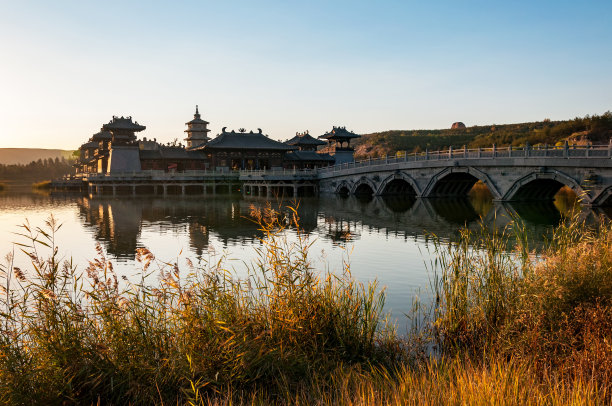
[(123, 130), (339, 144), (124, 154), (197, 131)]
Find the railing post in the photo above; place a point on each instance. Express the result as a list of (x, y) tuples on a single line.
[(526, 148), (510, 151), (406, 156), (565, 150), (450, 152), (386, 159), (545, 150), (494, 150), (587, 150), (610, 148), (427, 151), (479, 152), (465, 151)]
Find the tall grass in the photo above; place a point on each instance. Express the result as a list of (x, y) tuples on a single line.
[(42, 185), (509, 327), (552, 310), (67, 337)]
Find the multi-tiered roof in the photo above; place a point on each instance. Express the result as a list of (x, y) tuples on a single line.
[(245, 141), (305, 142), (197, 131), (123, 129)]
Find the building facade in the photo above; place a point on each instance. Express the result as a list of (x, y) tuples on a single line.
[(116, 149)]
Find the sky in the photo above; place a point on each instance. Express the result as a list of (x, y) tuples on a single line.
[(288, 66)]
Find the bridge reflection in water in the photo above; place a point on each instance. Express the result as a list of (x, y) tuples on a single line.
[(118, 224)]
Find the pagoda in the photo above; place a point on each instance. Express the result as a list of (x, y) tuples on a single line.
[(124, 154), (197, 131), (305, 142), (339, 144), (306, 156), (123, 130)]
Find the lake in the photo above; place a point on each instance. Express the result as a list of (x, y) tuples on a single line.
[(388, 240)]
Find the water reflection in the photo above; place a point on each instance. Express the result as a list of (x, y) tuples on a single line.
[(118, 224)]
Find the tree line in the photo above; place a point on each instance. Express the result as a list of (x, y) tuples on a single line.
[(40, 169)]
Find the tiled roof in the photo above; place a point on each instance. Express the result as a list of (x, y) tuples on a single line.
[(197, 119), (308, 156), (244, 140), (123, 123), (90, 144), (102, 135), (304, 139), (339, 132)]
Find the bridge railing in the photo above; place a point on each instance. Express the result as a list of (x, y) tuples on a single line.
[(540, 151)]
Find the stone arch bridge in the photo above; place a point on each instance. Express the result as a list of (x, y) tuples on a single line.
[(524, 174)]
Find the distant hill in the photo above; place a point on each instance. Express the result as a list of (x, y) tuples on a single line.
[(14, 156), (594, 129)]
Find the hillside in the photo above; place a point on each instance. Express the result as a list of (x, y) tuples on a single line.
[(22, 156), (595, 129)]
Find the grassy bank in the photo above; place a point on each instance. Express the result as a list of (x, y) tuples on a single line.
[(43, 185), (505, 328)]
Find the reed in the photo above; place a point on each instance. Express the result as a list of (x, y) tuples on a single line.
[(508, 327), (552, 310), (89, 338), (43, 185)]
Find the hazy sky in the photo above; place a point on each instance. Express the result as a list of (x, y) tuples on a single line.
[(68, 66)]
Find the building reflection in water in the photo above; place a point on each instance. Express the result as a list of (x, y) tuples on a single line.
[(118, 223)]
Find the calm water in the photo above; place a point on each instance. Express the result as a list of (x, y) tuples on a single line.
[(388, 240)]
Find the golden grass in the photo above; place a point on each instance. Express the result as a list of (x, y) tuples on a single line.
[(506, 328), (43, 185)]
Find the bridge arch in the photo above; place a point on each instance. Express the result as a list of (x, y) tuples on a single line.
[(344, 188), (364, 187), (604, 198), (457, 181), (543, 186), (399, 183)]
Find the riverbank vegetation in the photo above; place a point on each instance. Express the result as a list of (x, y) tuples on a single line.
[(43, 185), (596, 129), (505, 327), (37, 170)]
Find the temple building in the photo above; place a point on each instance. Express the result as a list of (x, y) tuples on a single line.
[(197, 131), (241, 150), (306, 155), (339, 144), (124, 153), (116, 149)]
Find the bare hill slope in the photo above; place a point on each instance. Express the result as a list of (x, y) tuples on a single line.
[(11, 156)]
